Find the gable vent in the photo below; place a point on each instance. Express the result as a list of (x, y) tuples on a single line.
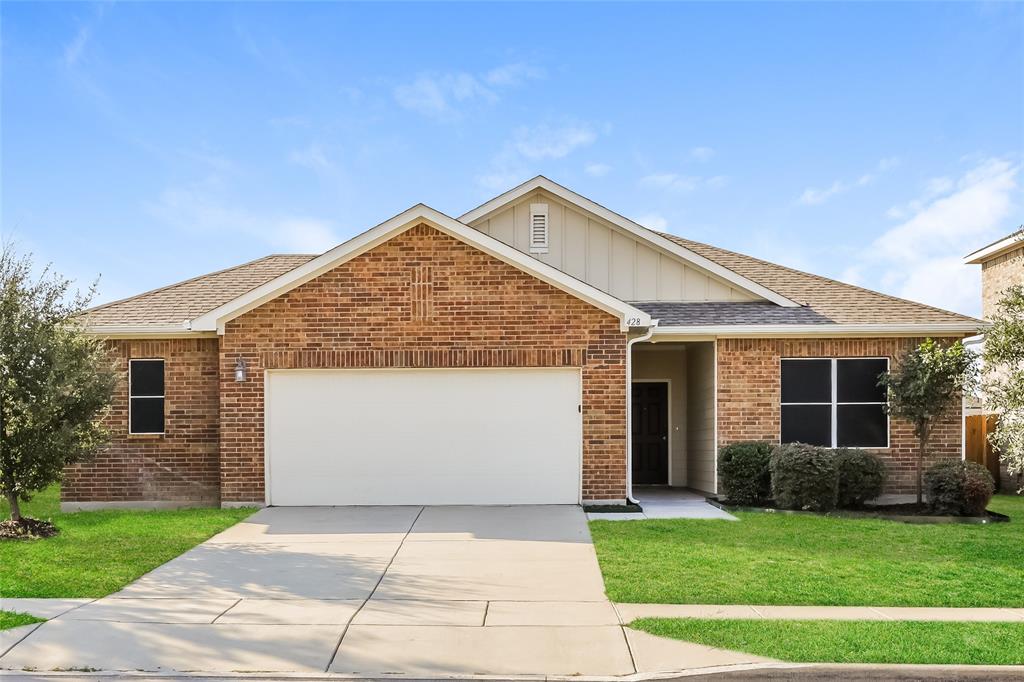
[(538, 228)]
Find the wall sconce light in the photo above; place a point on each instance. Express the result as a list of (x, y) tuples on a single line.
[(240, 370)]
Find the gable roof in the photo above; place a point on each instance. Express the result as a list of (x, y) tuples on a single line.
[(1010, 242), (168, 308), (835, 302), (655, 238), (215, 319)]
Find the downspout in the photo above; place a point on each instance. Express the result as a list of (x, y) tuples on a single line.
[(629, 409)]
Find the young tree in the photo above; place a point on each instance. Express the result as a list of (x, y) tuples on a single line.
[(926, 383), (55, 382), (1004, 377)]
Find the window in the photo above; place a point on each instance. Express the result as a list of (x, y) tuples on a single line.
[(538, 228), (834, 402), (145, 396)]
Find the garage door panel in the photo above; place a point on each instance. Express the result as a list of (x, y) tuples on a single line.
[(423, 436)]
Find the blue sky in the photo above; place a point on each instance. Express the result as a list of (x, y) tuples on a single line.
[(876, 143)]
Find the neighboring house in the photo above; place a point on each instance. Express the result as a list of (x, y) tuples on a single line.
[(1002, 266), (513, 355)]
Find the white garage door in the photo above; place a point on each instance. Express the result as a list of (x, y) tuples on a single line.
[(424, 436)]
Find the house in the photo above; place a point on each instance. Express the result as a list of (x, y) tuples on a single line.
[(1002, 266), (513, 355)]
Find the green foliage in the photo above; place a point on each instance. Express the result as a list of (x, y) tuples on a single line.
[(861, 476), (1004, 377), (55, 381), (804, 477), (956, 487), (744, 472), (10, 619), (925, 385)]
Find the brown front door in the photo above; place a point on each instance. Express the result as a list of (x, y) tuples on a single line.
[(650, 433)]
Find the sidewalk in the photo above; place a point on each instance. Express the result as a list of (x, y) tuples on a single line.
[(631, 612)]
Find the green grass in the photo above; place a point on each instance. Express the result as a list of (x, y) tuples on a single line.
[(815, 560), (9, 619), (834, 641), (99, 552)]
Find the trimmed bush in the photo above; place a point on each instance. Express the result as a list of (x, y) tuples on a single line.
[(744, 473), (960, 488), (861, 476), (804, 477)]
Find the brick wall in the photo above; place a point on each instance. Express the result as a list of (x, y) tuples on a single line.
[(181, 465), (424, 299), (998, 274), (749, 394)]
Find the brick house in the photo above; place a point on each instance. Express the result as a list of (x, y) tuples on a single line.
[(538, 349), (1002, 266)]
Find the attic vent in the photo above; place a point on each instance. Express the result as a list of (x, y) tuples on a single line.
[(538, 228)]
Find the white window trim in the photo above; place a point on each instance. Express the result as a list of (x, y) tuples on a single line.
[(834, 364), (131, 363)]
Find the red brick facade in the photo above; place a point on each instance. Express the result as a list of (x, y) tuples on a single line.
[(180, 466), (749, 393), (424, 299)]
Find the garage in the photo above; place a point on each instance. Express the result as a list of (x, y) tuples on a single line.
[(423, 436)]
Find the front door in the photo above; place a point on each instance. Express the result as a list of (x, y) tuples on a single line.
[(650, 433)]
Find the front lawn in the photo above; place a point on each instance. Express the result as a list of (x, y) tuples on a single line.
[(814, 560), (9, 619), (100, 552), (834, 641)]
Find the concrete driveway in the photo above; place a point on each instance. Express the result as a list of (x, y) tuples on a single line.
[(369, 590)]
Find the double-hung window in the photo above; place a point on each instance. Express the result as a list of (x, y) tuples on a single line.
[(145, 396), (834, 402)]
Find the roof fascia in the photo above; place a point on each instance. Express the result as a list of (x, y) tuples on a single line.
[(819, 330), (989, 252), (215, 319), (541, 182)]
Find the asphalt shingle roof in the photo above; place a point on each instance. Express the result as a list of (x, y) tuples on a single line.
[(186, 300), (688, 314)]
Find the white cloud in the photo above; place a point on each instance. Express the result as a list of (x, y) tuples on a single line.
[(194, 209), (920, 258), (813, 196), (312, 157), (676, 182), (597, 170), (654, 221), (441, 95), (74, 50), (702, 153), (546, 142)]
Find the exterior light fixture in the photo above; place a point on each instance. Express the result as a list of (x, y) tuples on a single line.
[(240, 370)]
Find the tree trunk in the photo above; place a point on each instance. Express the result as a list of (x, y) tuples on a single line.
[(12, 499), (922, 444)]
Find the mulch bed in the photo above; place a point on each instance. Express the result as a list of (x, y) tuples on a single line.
[(907, 513), (26, 529)]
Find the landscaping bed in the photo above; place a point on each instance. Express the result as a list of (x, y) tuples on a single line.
[(831, 641), (99, 552), (812, 559), (905, 513)]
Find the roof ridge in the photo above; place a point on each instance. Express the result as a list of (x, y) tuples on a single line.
[(157, 290), (822, 278)]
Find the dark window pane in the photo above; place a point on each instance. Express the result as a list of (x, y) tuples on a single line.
[(857, 381), (147, 377), (806, 381), (810, 424), (862, 426), (147, 415)]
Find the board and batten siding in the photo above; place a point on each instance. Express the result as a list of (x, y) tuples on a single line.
[(700, 416), (605, 256)]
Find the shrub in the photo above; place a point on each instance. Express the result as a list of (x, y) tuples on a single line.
[(961, 488), (861, 475), (804, 477), (743, 469)]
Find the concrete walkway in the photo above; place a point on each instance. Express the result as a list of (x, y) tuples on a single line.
[(660, 502), (630, 612), (424, 591)]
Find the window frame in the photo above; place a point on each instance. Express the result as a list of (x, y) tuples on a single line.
[(162, 398), (834, 404)]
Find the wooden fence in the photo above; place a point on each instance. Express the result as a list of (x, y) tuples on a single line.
[(979, 449)]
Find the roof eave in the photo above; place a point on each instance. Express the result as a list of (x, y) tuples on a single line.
[(821, 330), (1014, 241), (145, 331)]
